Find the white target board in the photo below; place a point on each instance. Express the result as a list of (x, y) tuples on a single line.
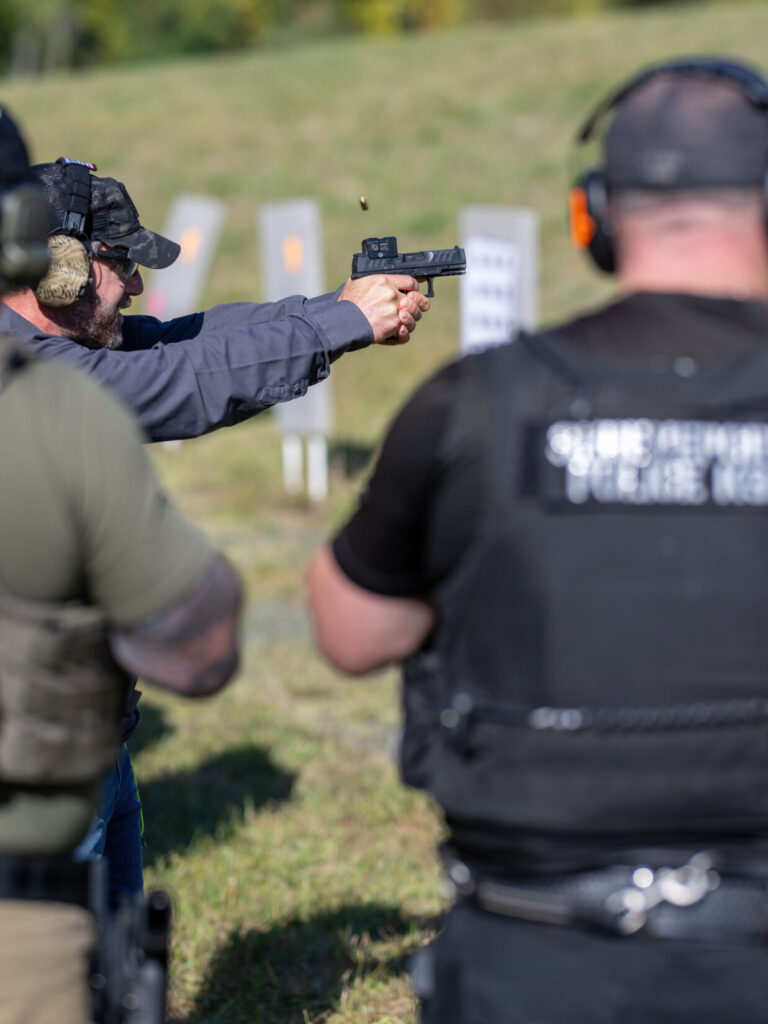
[(291, 259), (195, 223), (499, 292)]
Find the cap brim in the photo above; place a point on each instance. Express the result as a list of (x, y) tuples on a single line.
[(149, 249)]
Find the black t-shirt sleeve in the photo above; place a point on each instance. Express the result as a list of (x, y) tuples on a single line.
[(399, 542)]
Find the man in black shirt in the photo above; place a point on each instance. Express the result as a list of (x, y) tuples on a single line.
[(565, 537)]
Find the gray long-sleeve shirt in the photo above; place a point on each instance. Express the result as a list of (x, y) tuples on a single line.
[(188, 376)]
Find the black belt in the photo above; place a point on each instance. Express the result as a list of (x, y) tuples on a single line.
[(52, 878), (692, 901)]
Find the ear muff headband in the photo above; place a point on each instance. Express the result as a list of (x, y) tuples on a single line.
[(24, 224), (70, 266), (24, 218), (590, 227), (752, 85)]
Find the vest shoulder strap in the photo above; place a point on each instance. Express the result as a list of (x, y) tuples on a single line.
[(733, 388), (520, 381)]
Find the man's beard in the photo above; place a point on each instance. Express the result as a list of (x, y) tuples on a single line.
[(92, 322)]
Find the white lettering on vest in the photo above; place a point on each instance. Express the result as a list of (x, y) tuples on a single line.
[(661, 462)]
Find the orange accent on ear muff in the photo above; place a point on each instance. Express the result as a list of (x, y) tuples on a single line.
[(583, 226)]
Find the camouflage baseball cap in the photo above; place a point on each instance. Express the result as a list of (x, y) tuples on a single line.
[(115, 221), (111, 217)]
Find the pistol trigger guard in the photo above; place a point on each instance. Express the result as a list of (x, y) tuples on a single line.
[(430, 289)]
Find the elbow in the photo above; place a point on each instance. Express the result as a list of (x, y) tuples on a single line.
[(343, 617), (211, 661), (350, 662), (206, 680), (192, 647), (345, 651)]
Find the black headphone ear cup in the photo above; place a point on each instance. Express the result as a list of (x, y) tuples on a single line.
[(24, 226), (68, 274), (590, 224)]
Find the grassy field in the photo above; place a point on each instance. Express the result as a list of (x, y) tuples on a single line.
[(303, 874)]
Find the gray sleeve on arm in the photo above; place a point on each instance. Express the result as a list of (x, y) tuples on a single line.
[(191, 375)]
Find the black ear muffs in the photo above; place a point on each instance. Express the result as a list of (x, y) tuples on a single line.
[(588, 205), (70, 262), (24, 224), (24, 217), (590, 225)]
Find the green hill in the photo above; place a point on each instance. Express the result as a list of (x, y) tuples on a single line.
[(421, 125)]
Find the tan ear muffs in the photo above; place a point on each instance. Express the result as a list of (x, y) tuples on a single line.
[(68, 273)]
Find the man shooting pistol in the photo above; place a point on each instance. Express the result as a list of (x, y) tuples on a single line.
[(380, 256)]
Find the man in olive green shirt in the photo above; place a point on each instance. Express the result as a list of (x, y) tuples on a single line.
[(85, 530)]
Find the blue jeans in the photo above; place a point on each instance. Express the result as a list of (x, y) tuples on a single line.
[(115, 832)]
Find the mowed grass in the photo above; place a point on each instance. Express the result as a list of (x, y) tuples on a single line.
[(303, 874)]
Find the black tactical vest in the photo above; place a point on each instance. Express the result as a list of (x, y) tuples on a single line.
[(61, 691), (604, 644)]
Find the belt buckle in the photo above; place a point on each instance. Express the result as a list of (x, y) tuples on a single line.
[(685, 886)]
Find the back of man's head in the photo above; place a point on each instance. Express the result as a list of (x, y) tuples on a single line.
[(683, 131), (685, 165)]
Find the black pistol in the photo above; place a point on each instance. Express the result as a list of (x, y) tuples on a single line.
[(129, 984), (380, 256)]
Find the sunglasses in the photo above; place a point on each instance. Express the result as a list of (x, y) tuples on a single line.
[(126, 266)]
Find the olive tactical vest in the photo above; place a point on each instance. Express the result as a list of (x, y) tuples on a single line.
[(61, 692), (604, 642)]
